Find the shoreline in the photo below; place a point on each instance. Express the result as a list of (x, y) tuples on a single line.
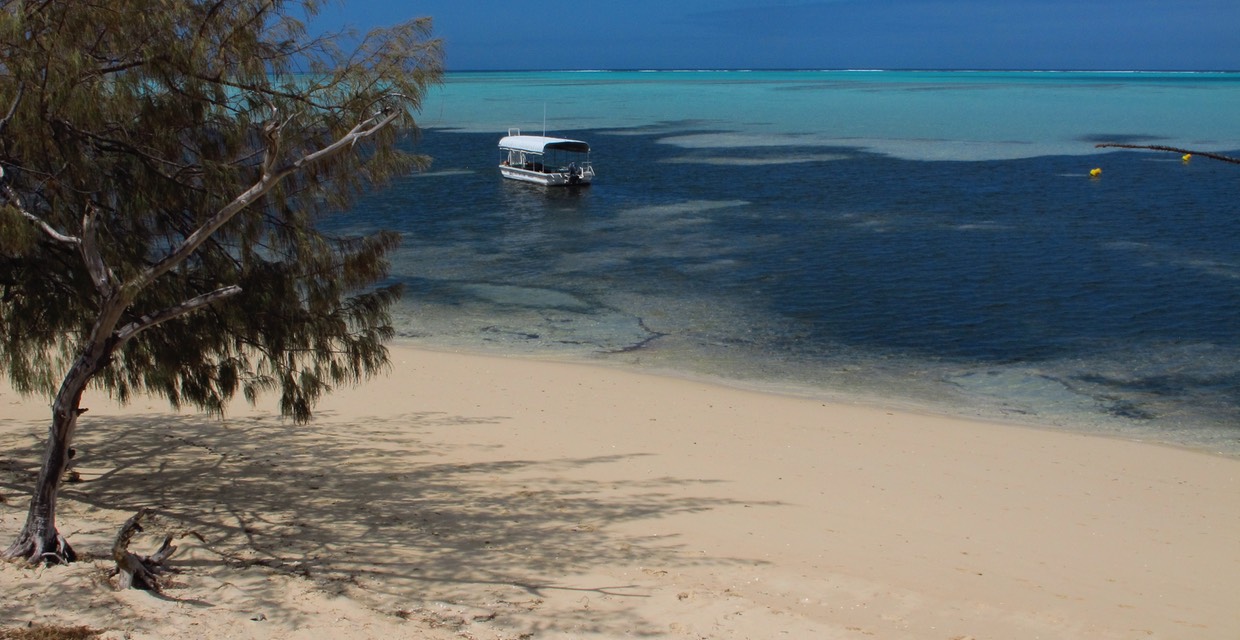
[(860, 396), (482, 496)]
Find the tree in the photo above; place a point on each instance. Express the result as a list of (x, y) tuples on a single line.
[(163, 166)]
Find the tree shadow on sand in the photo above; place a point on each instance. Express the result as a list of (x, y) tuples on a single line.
[(375, 510)]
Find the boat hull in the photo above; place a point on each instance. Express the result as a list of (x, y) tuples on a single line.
[(553, 179)]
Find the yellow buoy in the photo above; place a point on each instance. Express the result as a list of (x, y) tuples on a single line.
[(1186, 157), (1094, 173)]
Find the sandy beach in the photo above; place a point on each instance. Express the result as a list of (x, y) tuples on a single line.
[(465, 496)]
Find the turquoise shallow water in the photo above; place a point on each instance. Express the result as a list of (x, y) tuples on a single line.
[(919, 115), (929, 239)]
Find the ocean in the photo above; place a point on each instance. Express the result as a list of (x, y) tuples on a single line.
[(922, 240)]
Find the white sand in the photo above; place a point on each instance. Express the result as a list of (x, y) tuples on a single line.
[(479, 497)]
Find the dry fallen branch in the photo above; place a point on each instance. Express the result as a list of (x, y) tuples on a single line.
[(139, 572)]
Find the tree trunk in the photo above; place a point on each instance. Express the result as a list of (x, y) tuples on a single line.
[(39, 540)]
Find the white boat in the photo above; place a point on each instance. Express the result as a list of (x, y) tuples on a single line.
[(552, 162)]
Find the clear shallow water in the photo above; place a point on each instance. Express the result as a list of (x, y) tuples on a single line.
[(930, 239)]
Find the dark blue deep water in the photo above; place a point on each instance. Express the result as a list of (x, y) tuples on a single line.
[(967, 281)]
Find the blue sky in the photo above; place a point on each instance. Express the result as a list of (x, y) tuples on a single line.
[(752, 34)]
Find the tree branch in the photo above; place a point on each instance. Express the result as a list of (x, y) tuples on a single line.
[(17, 98), (113, 145), (357, 134), (266, 182), (152, 319), (16, 200), (1155, 147), (271, 139), (92, 256)]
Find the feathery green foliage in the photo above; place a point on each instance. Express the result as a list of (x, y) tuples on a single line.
[(127, 126)]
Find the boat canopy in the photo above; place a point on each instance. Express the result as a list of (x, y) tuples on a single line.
[(541, 144)]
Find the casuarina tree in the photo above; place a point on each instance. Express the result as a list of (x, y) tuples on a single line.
[(164, 166)]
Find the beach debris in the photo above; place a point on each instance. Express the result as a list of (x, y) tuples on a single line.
[(1095, 172), (139, 572), (34, 631)]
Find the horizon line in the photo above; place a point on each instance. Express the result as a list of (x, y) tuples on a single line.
[(830, 69)]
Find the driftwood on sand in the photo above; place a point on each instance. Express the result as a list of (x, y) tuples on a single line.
[(139, 572)]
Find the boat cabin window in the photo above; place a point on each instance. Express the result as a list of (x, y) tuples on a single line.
[(514, 158), (555, 160), (524, 160)]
